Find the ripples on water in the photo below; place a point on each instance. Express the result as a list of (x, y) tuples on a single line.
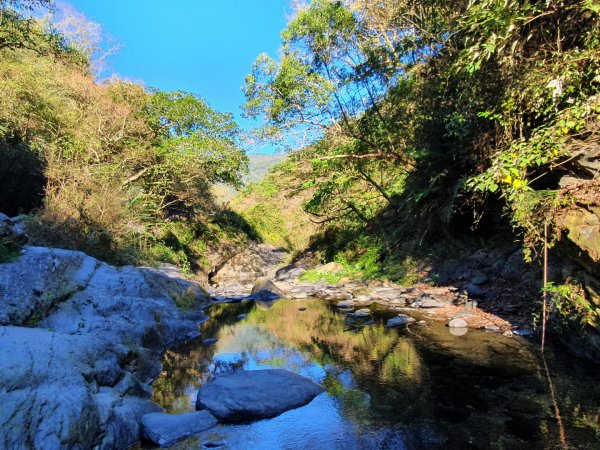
[(385, 389)]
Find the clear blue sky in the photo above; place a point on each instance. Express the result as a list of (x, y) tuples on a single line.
[(201, 46)]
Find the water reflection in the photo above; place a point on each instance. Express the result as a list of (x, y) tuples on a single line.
[(385, 389)]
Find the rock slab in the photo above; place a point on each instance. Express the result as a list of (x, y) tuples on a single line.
[(255, 394), (167, 429)]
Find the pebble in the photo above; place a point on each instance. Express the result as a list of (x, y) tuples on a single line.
[(302, 308), (243, 316), (524, 333), (458, 323)]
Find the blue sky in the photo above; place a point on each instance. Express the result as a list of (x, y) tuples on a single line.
[(201, 46)]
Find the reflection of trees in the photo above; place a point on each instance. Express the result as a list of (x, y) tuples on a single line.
[(382, 362), (186, 367)]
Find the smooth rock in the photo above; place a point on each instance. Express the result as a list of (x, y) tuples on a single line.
[(523, 332), (458, 323), (360, 314), (302, 308), (265, 289), (243, 316), (167, 429), (345, 304), (399, 320), (77, 376), (429, 303), (257, 394)]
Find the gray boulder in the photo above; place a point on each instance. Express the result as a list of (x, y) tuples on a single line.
[(345, 304), (265, 289), (78, 375), (360, 314), (257, 394), (167, 429), (399, 321)]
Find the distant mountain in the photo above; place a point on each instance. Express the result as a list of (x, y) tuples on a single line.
[(258, 166)]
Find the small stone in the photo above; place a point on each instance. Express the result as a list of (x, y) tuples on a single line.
[(523, 333), (360, 313), (491, 328), (458, 323), (345, 304), (243, 316), (213, 444), (192, 335), (302, 308)]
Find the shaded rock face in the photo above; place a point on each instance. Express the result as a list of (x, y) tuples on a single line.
[(80, 378), (257, 394), (257, 260), (168, 429)]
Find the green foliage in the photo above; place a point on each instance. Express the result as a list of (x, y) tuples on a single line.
[(571, 306), (125, 172), (273, 206), (186, 300), (9, 249)]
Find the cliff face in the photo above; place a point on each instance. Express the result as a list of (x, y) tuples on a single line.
[(578, 224)]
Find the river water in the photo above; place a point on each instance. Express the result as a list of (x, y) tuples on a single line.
[(422, 388)]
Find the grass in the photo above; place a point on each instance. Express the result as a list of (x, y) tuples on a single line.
[(9, 250), (186, 300)]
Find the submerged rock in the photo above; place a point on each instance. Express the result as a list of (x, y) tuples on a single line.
[(167, 429), (360, 314), (345, 304), (399, 320), (255, 394)]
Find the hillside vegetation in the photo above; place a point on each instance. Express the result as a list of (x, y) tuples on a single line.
[(274, 205), (115, 169), (425, 120)]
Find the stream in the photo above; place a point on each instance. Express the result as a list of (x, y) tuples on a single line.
[(417, 388)]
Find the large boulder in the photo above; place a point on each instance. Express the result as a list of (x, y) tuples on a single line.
[(257, 260), (77, 375), (168, 429), (257, 394), (265, 289)]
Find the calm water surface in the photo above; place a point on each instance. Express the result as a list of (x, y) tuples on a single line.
[(386, 389)]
